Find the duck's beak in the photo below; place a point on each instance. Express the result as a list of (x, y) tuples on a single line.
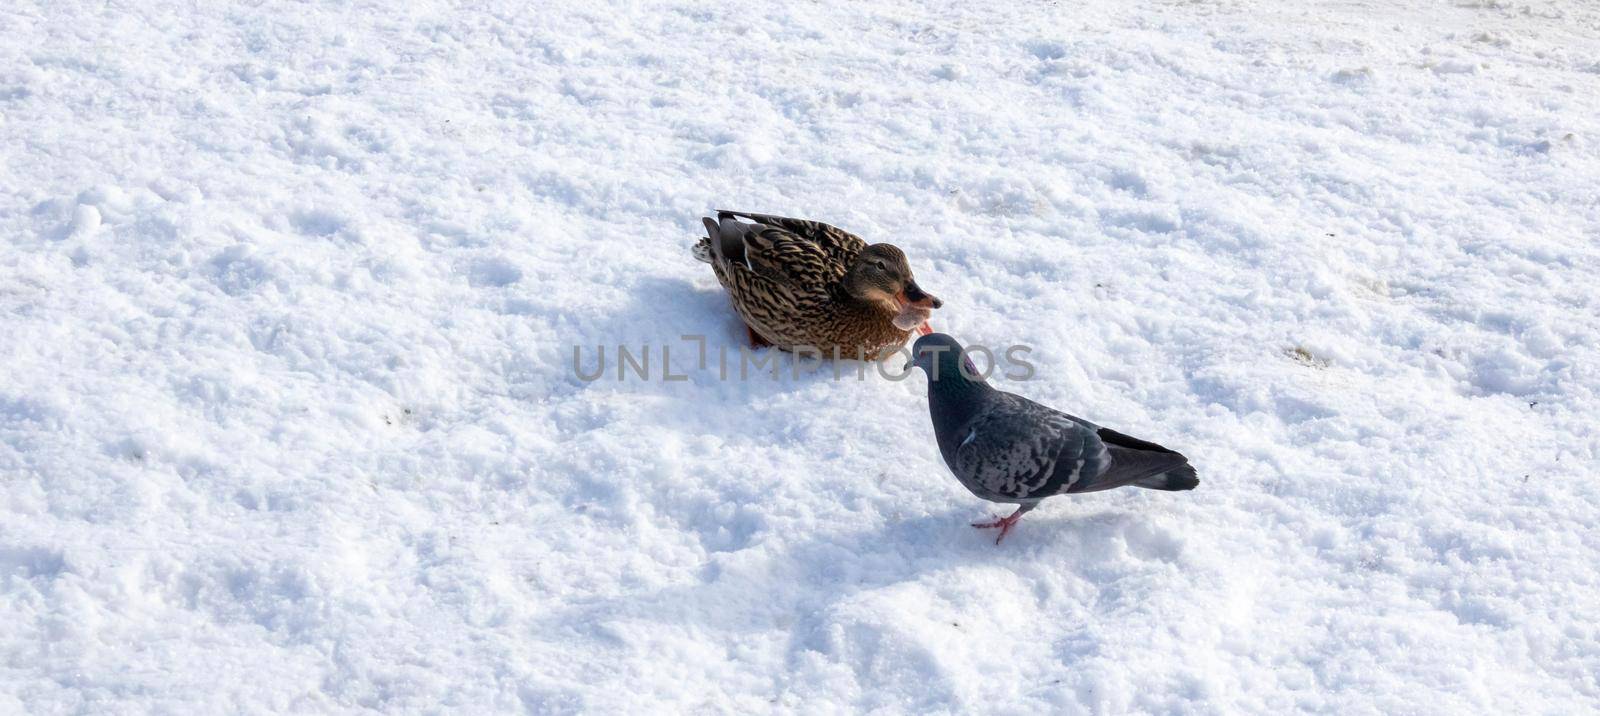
[(913, 295)]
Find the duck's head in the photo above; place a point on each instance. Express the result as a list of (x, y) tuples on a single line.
[(882, 275)]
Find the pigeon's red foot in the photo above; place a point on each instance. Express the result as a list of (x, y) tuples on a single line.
[(1004, 523)]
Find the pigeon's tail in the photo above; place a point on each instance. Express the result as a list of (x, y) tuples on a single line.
[(1181, 477)]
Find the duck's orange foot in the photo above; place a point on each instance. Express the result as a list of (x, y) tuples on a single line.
[(924, 329), (756, 339)]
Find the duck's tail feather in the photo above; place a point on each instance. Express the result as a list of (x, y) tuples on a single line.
[(726, 240), (725, 214), (702, 249)]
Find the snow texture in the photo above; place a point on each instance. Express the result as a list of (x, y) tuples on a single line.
[(289, 294)]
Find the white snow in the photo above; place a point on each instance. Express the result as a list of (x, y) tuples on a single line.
[(289, 295)]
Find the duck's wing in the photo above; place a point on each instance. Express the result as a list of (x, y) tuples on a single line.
[(840, 246), (776, 257)]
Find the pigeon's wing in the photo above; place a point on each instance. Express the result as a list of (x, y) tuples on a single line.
[(1132, 461), (1021, 451), (1112, 437), (840, 246)]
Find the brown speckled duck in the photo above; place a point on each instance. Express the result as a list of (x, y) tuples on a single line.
[(799, 283)]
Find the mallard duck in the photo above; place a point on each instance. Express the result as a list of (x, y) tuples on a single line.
[(805, 284)]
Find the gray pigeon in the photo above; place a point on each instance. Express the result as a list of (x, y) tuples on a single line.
[(1006, 448)]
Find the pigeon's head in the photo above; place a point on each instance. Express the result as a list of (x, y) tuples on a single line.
[(941, 356), (882, 275)]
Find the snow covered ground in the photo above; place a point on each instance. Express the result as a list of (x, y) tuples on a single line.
[(288, 296)]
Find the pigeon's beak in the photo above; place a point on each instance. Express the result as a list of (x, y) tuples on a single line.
[(913, 295)]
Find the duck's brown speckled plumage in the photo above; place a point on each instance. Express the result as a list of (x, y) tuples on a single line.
[(790, 286)]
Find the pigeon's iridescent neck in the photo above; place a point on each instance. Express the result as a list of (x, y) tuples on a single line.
[(952, 386), (953, 400)]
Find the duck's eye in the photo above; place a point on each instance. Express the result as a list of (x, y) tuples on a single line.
[(881, 265)]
